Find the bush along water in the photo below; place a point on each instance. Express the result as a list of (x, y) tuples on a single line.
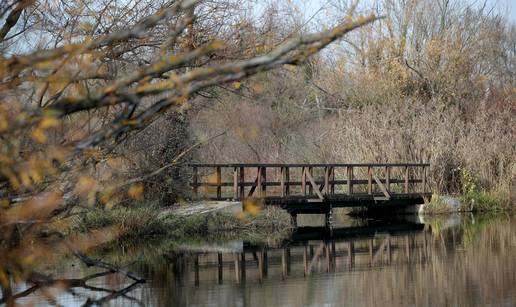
[(473, 197)]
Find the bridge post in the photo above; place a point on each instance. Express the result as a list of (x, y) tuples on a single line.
[(350, 179), (235, 183), (242, 183), (282, 181), (326, 180), (287, 181), (311, 187), (303, 180), (388, 178), (406, 179), (369, 180), (332, 180), (219, 186), (259, 181), (264, 183)]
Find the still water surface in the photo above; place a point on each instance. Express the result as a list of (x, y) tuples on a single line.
[(447, 261)]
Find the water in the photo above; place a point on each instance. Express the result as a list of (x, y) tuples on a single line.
[(448, 261)]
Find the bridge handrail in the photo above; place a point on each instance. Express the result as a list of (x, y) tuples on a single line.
[(321, 189)]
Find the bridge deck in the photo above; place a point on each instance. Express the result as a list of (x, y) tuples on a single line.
[(313, 187)]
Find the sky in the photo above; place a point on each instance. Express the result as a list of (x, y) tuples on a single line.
[(506, 8)]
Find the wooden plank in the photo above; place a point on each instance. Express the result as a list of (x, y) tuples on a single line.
[(219, 186), (298, 183), (314, 185), (382, 187)]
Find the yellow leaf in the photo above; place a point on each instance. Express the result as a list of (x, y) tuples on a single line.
[(85, 185), (3, 123), (258, 88), (217, 44), (35, 175), (241, 216), (49, 122), (4, 280), (25, 179), (253, 206), (39, 135), (45, 65), (136, 191), (237, 85)]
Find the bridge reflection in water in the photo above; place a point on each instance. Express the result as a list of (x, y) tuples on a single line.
[(310, 251), (453, 260)]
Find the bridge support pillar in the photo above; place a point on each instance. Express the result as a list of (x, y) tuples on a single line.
[(328, 218)]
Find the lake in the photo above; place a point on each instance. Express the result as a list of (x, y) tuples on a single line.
[(450, 260)]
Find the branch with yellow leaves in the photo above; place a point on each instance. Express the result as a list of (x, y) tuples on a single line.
[(179, 87)]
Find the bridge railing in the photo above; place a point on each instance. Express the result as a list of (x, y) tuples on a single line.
[(317, 181)]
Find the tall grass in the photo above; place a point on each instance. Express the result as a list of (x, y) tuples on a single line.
[(142, 221)]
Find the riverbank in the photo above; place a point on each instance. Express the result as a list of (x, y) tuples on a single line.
[(478, 201), (143, 221)]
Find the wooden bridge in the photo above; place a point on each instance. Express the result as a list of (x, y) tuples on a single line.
[(313, 188)]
